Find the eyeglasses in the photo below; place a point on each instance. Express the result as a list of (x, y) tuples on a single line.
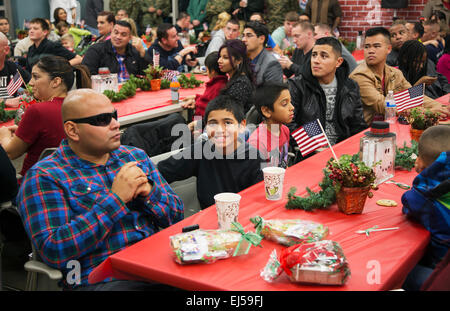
[(102, 119)]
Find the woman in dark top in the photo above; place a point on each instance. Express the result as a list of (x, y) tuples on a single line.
[(418, 69), (233, 60)]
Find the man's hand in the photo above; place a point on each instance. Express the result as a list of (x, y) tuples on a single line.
[(151, 9), (195, 22), (158, 12), (285, 62), (127, 182), (190, 62), (426, 79), (243, 3), (188, 50)]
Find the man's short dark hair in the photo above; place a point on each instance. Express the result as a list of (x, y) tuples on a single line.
[(433, 142), (233, 21), (110, 18), (182, 15), (212, 64), (333, 42), (124, 24), (5, 18), (225, 102), (266, 94), (161, 32), (379, 31), (291, 16), (304, 25), (259, 29), (42, 22)]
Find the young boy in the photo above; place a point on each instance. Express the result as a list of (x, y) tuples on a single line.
[(77, 34), (68, 42), (217, 80), (428, 202), (271, 138), (223, 163)]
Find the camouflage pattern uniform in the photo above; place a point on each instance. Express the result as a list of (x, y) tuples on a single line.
[(153, 19), (131, 6), (214, 8), (276, 11)]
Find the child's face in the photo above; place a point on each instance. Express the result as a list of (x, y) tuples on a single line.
[(283, 110), (67, 44), (63, 30), (223, 130)]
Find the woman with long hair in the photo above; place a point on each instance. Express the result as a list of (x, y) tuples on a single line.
[(59, 14), (41, 125), (233, 61), (417, 69)]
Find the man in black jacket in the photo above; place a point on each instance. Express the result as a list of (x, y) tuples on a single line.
[(117, 54), (323, 91), (303, 34)]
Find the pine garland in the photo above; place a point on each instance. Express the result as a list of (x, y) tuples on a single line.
[(6, 115), (322, 199)]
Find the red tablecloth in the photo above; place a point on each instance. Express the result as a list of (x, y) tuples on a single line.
[(378, 262), (144, 101)]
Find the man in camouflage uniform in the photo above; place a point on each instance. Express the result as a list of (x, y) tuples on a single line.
[(131, 6), (214, 8), (276, 11), (153, 12)]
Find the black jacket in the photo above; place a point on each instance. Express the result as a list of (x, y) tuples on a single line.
[(214, 174), (309, 101), (102, 55), (299, 59)]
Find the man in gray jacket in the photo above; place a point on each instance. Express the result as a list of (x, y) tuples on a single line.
[(267, 68)]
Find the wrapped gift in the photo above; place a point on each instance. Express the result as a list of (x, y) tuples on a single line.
[(321, 262), (208, 246), (289, 232)]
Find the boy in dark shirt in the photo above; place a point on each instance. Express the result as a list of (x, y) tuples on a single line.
[(223, 163), (428, 202)]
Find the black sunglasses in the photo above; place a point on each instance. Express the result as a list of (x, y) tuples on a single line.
[(103, 119)]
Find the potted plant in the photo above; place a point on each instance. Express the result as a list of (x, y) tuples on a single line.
[(154, 75), (420, 119), (21, 33), (353, 180)]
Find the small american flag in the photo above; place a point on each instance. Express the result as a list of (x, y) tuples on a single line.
[(14, 84), (309, 137), (409, 98)]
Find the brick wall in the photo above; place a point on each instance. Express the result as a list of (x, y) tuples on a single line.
[(364, 14)]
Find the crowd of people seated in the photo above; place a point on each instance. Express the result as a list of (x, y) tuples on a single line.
[(93, 196)]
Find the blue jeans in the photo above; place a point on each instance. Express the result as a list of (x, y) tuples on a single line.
[(416, 278)]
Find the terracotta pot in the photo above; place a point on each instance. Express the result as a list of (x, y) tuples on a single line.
[(155, 84), (352, 200), (415, 134)]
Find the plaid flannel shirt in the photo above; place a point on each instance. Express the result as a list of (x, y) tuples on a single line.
[(70, 213), (122, 75)]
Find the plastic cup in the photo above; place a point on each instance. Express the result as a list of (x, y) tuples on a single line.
[(227, 205), (273, 182)]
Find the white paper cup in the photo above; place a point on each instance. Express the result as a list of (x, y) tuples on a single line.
[(227, 205), (273, 182)]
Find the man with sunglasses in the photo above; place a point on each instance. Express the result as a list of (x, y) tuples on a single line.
[(93, 197)]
